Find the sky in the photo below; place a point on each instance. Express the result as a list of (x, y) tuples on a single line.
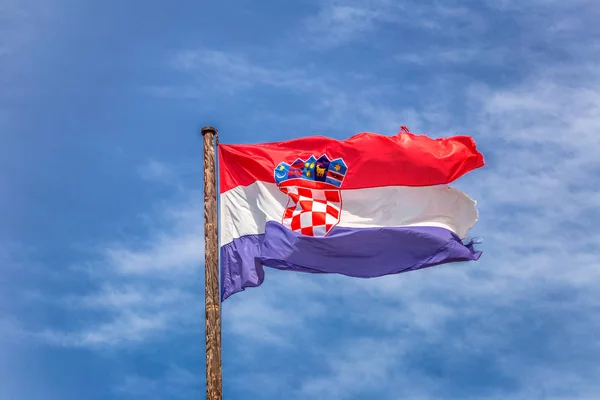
[(101, 203)]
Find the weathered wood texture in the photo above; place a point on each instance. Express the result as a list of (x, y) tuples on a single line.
[(211, 248)]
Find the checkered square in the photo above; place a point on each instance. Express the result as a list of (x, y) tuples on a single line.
[(312, 212)]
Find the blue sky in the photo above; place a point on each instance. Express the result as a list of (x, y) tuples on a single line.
[(101, 253)]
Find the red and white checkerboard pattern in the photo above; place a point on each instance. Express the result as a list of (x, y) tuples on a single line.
[(312, 212)]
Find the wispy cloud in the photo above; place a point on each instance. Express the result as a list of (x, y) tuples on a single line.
[(236, 71), (408, 335), (519, 319), (364, 367), (133, 314), (339, 23), (156, 171), (449, 56), (146, 287), (20, 23), (336, 24), (338, 101), (515, 325), (177, 383)]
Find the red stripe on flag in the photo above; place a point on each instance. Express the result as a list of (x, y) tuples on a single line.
[(373, 160)]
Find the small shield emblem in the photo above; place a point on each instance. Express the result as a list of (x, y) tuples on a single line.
[(314, 204)]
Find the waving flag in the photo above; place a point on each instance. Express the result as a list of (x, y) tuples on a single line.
[(368, 206)]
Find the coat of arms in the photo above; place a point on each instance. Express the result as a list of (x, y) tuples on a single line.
[(314, 197)]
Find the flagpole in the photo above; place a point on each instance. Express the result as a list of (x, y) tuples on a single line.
[(211, 270)]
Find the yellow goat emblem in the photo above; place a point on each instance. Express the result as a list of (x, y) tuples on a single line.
[(320, 171)]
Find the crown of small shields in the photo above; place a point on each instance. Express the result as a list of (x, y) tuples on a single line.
[(312, 169)]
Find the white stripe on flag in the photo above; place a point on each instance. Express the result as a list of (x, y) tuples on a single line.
[(245, 210)]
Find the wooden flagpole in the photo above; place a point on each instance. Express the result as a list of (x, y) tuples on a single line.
[(211, 270)]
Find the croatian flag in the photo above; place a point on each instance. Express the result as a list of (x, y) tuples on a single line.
[(368, 206)]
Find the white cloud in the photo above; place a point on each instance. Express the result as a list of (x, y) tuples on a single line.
[(338, 23), (537, 198), (341, 22), (451, 56), (258, 316), (157, 171), (335, 101), (236, 71), (20, 23), (176, 383), (167, 254), (364, 366), (147, 287)]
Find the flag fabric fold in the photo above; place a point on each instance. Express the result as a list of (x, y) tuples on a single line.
[(368, 206)]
